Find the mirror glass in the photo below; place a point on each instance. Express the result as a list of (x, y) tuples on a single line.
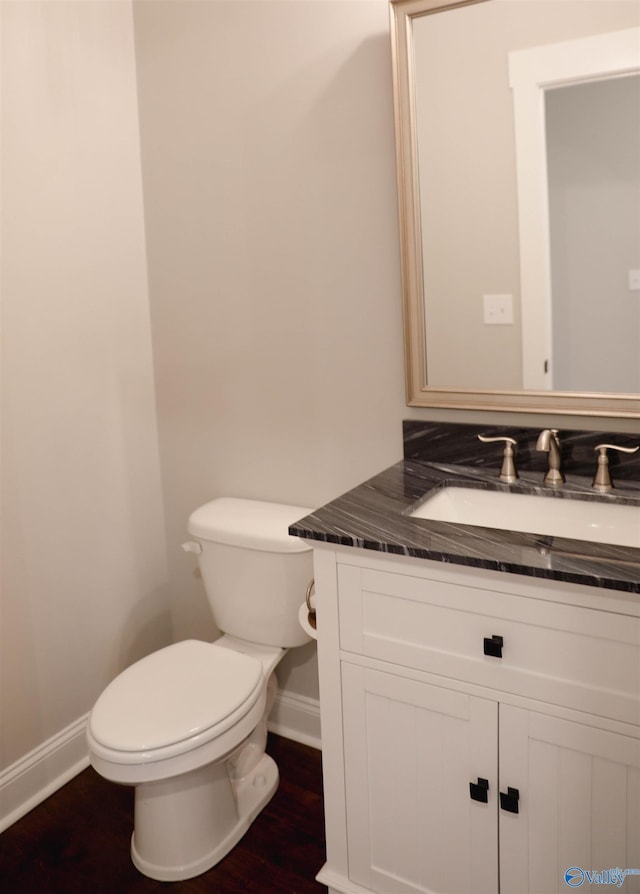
[(518, 130)]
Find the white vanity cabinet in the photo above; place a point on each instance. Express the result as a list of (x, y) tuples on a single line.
[(481, 730)]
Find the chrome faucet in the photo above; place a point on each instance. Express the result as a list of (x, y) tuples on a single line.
[(548, 442), (508, 472), (602, 481)]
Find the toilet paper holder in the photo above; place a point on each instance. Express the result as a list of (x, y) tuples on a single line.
[(311, 609)]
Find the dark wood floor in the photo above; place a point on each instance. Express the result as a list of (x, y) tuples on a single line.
[(77, 841)]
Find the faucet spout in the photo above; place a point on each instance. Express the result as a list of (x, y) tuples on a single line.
[(548, 442)]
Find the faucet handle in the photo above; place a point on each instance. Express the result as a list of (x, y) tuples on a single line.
[(508, 472), (602, 481)]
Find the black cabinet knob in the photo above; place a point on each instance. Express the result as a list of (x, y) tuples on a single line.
[(479, 790), (510, 800), (493, 646)]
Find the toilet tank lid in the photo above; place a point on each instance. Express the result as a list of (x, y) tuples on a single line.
[(252, 524)]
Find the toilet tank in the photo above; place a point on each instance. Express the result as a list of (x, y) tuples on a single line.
[(255, 574)]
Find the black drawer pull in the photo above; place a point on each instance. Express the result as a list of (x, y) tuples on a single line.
[(493, 646), (510, 800), (479, 790)]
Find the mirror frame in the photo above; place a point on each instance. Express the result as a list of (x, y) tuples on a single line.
[(418, 392)]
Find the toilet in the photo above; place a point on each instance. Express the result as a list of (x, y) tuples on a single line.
[(187, 725)]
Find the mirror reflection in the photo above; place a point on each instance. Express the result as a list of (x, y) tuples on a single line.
[(574, 325), (593, 178)]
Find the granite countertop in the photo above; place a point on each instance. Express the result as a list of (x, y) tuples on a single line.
[(375, 516)]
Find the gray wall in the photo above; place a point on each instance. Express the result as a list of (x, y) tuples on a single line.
[(269, 184), (85, 587)]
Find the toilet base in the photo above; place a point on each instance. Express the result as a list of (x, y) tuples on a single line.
[(184, 826)]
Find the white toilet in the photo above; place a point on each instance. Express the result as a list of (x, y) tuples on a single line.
[(187, 725)]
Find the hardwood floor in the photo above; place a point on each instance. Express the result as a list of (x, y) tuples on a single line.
[(77, 841)]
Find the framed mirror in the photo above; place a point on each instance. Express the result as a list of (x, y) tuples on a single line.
[(518, 149)]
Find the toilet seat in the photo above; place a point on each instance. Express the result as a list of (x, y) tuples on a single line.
[(174, 701)]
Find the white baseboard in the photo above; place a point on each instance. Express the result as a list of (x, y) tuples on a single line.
[(339, 884), (43, 771), (296, 717)]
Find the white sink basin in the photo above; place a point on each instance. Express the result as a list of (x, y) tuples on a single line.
[(591, 520)]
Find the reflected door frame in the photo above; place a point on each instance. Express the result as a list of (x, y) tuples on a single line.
[(531, 73)]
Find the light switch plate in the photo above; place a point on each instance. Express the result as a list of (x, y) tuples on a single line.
[(497, 310), (634, 280)]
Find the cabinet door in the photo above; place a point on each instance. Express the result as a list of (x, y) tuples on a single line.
[(411, 751), (578, 807)]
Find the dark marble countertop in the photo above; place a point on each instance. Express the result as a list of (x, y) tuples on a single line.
[(375, 516)]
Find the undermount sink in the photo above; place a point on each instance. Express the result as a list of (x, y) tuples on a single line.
[(597, 522)]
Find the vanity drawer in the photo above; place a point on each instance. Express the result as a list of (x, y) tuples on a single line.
[(568, 655)]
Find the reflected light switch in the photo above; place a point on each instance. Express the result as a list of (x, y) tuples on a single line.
[(497, 310)]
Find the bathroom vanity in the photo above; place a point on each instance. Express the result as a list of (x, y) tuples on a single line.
[(480, 687)]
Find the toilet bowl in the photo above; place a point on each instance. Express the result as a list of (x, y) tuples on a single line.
[(187, 725)]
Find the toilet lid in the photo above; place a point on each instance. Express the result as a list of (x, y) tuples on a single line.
[(174, 694)]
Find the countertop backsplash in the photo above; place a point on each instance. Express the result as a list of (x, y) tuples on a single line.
[(457, 443)]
